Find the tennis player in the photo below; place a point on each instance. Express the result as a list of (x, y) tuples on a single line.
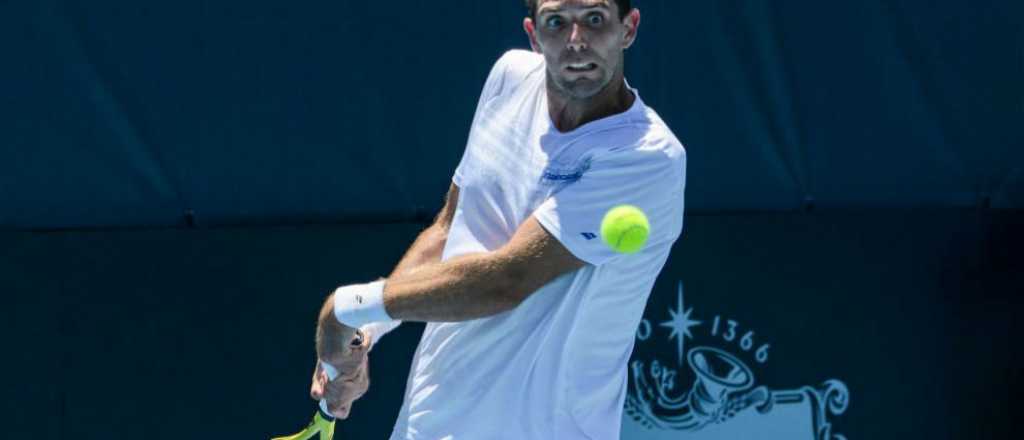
[(531, 317)]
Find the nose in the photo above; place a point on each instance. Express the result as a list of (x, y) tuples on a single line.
[(576, 41)]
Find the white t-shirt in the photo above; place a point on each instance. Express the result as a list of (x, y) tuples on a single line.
[(555, 366)]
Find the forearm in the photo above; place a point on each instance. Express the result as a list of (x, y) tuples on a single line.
[(332, 337), (465, 287), (459, 289), (427, 249)]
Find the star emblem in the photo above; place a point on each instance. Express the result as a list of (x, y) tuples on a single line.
[(680, 324)]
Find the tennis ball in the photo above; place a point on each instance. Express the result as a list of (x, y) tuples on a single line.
[(625, 229)]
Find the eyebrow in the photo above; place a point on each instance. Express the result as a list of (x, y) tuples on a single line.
[(585, 8)]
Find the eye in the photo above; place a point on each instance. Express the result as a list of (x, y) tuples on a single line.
[(553, 21), (595, 19)]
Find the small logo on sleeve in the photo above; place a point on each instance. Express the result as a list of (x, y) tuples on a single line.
[(589, 235)]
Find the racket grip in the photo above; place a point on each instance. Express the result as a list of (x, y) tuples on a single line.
[(324, 412)]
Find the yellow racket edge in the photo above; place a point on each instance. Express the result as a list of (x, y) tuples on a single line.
[(322, 424)]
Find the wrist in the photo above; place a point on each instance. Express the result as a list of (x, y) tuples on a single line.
[(356, 305)]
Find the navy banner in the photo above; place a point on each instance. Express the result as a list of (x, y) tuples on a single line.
[(819, 326)]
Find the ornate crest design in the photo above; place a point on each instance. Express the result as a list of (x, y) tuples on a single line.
[(722, 398)]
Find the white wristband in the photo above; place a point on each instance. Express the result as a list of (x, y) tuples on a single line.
[(356, 305)]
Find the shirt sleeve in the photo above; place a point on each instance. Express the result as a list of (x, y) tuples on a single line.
[(492, 88), (650, 179), (495, 82)]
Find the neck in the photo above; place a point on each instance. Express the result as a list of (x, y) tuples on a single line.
[(568, 113)]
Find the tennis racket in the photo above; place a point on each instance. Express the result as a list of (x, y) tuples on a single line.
[(322, 424)]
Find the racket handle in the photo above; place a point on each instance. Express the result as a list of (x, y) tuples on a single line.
[(324, 412)]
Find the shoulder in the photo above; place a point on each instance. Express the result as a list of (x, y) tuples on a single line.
[(659, 138), (512, 68), (646, 143), (519, 62)]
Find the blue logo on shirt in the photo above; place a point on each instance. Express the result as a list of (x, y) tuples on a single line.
[(589, 235), (564, 173), (563, 176)]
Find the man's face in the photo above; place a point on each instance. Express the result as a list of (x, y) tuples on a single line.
[(582, 42)]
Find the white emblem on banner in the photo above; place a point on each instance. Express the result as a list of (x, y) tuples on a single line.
[(711, 393)]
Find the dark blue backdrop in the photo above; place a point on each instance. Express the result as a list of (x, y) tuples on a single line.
[(126, 113), (209, 333)]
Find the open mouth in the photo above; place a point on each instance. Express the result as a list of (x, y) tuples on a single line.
[(581, 67)]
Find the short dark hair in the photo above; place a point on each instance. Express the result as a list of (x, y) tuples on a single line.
[(624, 7)]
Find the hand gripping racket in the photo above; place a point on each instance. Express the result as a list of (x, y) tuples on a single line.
[(323, 421)]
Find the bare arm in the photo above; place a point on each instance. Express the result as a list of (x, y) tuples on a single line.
[(471, 286), (423, 288), (332, 337), (338, 344), (430, 243), (479, 285)]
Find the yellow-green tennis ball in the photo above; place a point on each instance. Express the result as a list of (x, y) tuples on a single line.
[(625, 229)]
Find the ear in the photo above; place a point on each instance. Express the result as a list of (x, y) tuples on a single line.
[(531, 32), (632, 23)]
